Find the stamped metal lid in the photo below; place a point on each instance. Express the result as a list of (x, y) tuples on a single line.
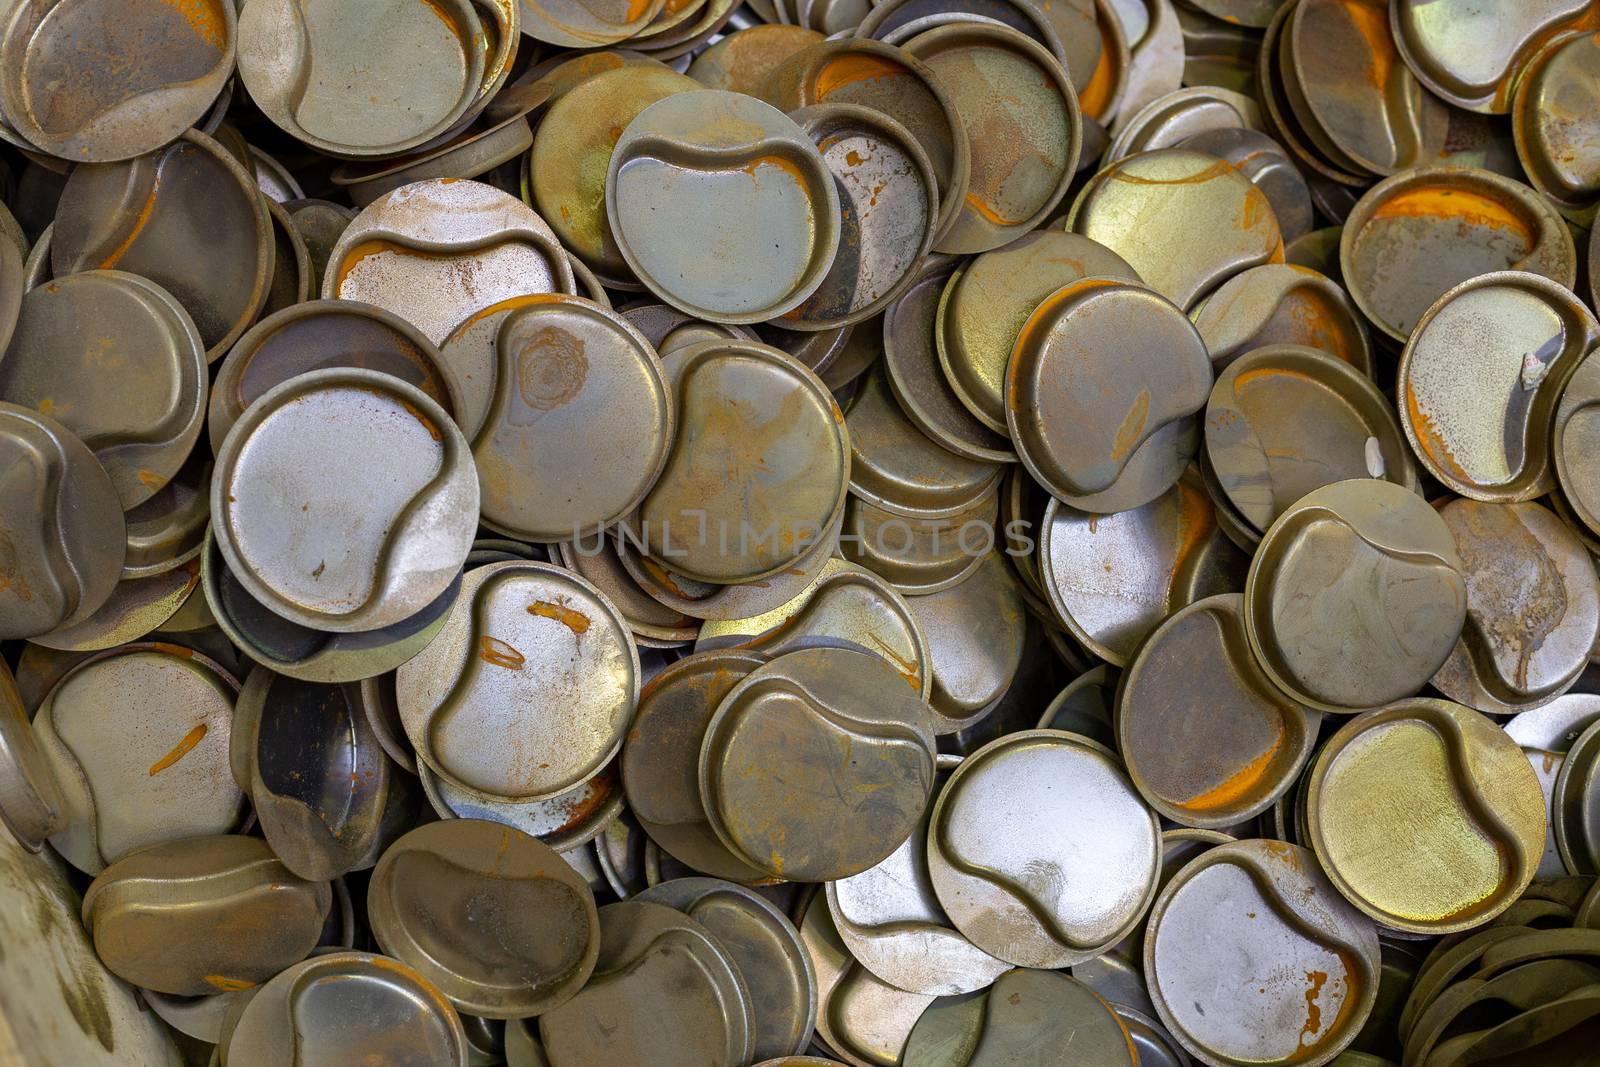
[(102, 81), (1170, 550), (166, 531), (1043, 800), (1268, 166), (1547, 734), (1249, 939), (1475, 822), (1555, 92), (1388, 584), (436, 252), (1017, 103), (1163, 212), (138, 741), (742, 61), (1172, 119), (187, 217), (1533, 607), (527, 690), (203, 915), (1216, 763), (989, 300), (809, 713), (664, 987), (587, 25), (62, 539), (1575, 441), (348, 1007), (1056, 28), (117, 361), (283, 519), (743, 407), (373, 81), (1102, 391), (654, 624), (747, 181), (1413, 237), (31, 803), (564, 821), (1282, 304), (1285, 420), (975, 631), (1471, 55), (765, 947), (492, 917), (1042, 1015), (661, 758), (573, 380)]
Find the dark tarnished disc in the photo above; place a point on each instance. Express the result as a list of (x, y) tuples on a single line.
[(1481, 377), (1252, 957), (344, 1008), (1576, 441), (1575, 804), (661, 758), (320, 334), (188, 218), (102, 81), (1027, 1015), (203, 915), (1533, 607), (31, 803), (766, 948), (115, 359), (742, 408), (283, 521), (747, 181), (492, 917), (1067, 31), (1184, 220), (1216, 762), (1356, 596), (436, 252), (138, 741), (812, 714), (1282, 304), (1285, 420), (988, 301), (1413, 237), (1426, 816), (166, 531), (62, 539), (1022, 122), (370, 81), (1102, 391), (1008, 844)]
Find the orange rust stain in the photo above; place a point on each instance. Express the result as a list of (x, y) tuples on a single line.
[(636, 10), (576, 621), (976, 203), (139, 223), (150, 478), (782, 164), (848, 70), (1240, 784), (447, 17), (1096, 96), (1216, 170), (182, 749), (1196, 523), (498, 653), (173, 650), (427, 423), (1371, 21), (1132, 426), (1313, 1026), (1456, 205), (616, 134), (227, 985), (510, 304), (663, 576), (853, 158), (46, 406), (1428, 436), (204, 19), (1271, 372), (907, 669)]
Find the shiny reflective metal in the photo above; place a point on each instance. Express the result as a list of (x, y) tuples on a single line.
[(742, 408), (1156, 54), (1218, 762), (919, 556), (1111, 579), (767, 186), (203, 915), (137, 608), (1470, 55), (492, 917), (62, 538), (1010, 845), (186, 217), (1533, 607), (116, 360), (527, 690), (1388, 586), (1555, 94), (1575, 437), (1017, 104), (654, 624), (1282, 304), (1546, 734), (31, 803), (564, 821), (283, 521), (1186, 221), (1268, 166), (663, 988), (1247, 941), (137, 740), (985, 306), (1575, 806), (1463, 824), (765, 947), (436, 252), (811, 713), (166, 531), (1039, 1015), (1415, 236), (1285, 420), (975, 631), (1102, 427), (1170, 120)]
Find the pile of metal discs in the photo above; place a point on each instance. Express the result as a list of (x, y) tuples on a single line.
[(679, 533)]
